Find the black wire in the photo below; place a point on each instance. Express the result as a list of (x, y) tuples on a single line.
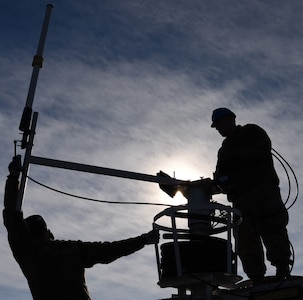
[(282, 160), (97, 200), (287, 175), (292, 171)]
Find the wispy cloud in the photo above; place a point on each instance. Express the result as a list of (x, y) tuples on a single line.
[(131, 85)]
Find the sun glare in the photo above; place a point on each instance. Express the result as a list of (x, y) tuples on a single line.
[(182, 170), (179, 199)]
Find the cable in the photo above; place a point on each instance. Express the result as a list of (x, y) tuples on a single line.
[(287, 175), (283, 162), (96, 200)]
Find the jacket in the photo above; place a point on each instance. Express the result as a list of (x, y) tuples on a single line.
[(245, 159)]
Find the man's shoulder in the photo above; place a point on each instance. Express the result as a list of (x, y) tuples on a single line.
[(13, 218), (253, 128)]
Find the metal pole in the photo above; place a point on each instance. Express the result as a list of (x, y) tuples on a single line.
[(38, 58), (26, 162), (37, 65), (157, 255), (103, 171), (229, 244), (176, 245)]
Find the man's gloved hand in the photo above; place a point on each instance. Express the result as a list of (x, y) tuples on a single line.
[(15, 166), (170, 190), (152, 237)]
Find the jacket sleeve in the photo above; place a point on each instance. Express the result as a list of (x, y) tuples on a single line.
[(13, 220), (11, 193), (107, 252)]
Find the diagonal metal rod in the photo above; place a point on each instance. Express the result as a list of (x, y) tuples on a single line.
[(37, 65), (103, 171)]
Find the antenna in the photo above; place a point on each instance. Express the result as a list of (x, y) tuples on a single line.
[(26, 119), (37, 65)]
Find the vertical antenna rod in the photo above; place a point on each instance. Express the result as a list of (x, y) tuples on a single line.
[(25, 166), (37, 65)]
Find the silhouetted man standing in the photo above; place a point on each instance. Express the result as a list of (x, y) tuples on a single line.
[(245, 171)]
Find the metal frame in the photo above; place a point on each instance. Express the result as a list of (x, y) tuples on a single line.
[(229, 227)]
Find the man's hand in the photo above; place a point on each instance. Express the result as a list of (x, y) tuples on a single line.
[(170, 190), (152, 237), (11, 186), (15, 166)]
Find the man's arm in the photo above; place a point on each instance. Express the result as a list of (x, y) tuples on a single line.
[(13, 219), (107, 252), (12, 184)]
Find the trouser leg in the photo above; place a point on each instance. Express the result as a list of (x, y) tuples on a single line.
[(275, 239), (250, 250)]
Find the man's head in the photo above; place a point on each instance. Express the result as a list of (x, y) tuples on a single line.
[(37, 228), (223, 119)]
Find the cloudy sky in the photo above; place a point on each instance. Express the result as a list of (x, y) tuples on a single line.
[(131, 85)]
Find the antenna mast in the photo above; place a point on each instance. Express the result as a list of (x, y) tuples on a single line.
[(37, 65), (26, 119)]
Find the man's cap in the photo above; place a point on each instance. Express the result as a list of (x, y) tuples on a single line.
[(36, 225), (220, 113)]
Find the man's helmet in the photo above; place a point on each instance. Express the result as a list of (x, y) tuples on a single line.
[(220, 113)]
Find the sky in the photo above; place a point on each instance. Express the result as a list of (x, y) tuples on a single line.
[(131, 85)]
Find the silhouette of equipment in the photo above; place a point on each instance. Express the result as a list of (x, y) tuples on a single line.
[(194, 259)]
